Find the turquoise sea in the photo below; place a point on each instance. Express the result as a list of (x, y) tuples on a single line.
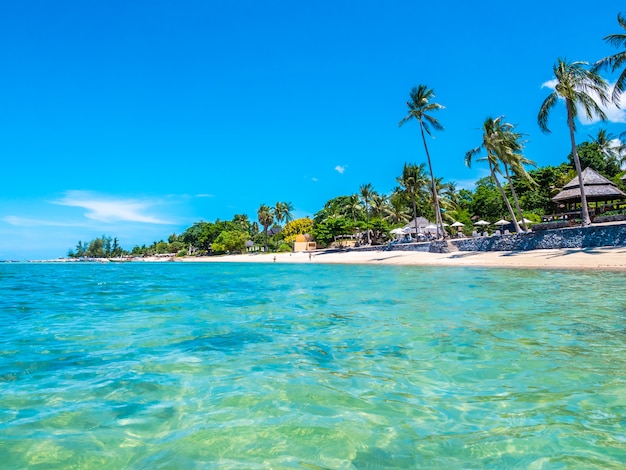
[(269, 366)]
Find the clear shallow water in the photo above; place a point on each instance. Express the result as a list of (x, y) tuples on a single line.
[(343, 367)]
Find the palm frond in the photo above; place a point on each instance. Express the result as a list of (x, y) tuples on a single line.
[(544, 111)]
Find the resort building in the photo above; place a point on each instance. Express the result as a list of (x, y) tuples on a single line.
[(602, 192)]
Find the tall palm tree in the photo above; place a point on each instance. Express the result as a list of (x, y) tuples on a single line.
[(288, 212), (513, 162), (498, 143), (575, 84), (367, 192), (279, 212), (419, 108), (266, 218), (412, 182), (617, 60), (283, 211)]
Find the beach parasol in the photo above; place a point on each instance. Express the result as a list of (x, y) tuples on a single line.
[(526, 221), (397, 231), (431, 227), (457, 224), (502, 222), (482, 222)]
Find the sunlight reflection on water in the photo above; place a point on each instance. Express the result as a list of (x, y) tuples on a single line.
[(248, 366)]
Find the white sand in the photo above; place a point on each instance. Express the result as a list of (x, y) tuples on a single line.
[(606, 258)]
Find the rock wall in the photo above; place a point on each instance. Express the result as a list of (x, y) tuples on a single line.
[(571, 237), (574, 237)]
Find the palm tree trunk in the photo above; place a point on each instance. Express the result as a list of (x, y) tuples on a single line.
[(583, 198), (438, 220), (414, 216), (517, 206), (367, 216), (506, 200)]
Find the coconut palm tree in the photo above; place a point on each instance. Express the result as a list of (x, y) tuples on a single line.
[(514, 165), (617, 60), (412, 183), (287, 212), (498, 142), (612, 151), (397, 212), (278, 212), (352, 206), (367, 192), (575, 84), (419, 108), (266, 218), (378, 205)]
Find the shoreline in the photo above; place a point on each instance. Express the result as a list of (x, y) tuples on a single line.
[(600, 258)]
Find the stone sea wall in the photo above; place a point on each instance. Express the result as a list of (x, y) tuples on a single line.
[(571, 237), (574, 237)]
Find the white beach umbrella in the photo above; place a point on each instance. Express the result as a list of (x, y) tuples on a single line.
[(526, 221), (431, 227), (482, 222), (457, 224), (502, 222), (397, 231)]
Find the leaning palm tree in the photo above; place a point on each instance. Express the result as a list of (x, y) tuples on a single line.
[(513, 162), (616, 61), (266, 218), (498, 142), (575, 84), (367, 192), (419, 109)]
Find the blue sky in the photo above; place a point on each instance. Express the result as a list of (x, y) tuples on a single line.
[(137, 119)]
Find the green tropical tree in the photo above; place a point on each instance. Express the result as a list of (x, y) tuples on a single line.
[(379, 205), (283, 211), (412, 183), (352, 206), (616, 61), (420, 107), (397, 212), (266, 218), (612, 150), (514, 164), (367, 192), (575, 84), (498, 142)]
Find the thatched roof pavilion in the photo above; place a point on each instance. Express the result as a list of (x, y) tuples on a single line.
[(597, 188)]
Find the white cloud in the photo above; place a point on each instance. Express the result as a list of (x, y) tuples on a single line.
[(204, 195), (613, 113), (340, 169), (314, 179), (110, 210), (26, 222), (550, 84)]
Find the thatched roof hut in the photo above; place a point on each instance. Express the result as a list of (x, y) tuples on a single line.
[(597, 188), (421, 222)]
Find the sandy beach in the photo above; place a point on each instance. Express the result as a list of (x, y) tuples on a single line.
[(605, 258)]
